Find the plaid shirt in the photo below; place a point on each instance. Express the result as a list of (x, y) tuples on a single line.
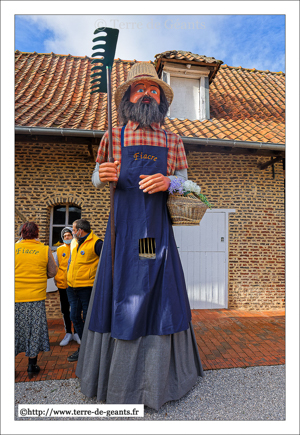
[(153, 135)]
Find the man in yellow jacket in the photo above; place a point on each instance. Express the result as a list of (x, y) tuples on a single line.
[(82, 269), (61, 257)]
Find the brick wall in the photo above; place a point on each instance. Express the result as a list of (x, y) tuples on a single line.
[(53, 305), (256, 230), (51, 174)]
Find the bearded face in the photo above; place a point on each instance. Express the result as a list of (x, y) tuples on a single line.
[(145, 110)]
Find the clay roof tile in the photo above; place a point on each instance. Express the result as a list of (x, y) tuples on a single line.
[(53, 90)]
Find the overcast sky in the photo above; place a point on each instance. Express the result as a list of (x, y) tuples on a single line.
[(250, 41)]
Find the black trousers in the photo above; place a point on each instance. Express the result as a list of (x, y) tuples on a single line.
[(79, 299), (65, 309)]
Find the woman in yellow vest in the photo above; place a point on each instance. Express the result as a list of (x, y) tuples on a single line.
[(61, 257), (34, 263)]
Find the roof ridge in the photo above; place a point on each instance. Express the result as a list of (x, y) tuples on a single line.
[(184, 53), (132, 60), (55, 54), (149, 61), (251, 69), (79, 57)]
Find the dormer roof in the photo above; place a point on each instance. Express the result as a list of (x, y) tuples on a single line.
[(186, 57)]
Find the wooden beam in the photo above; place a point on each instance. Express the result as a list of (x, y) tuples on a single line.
[(194, 72), (157, 66), (273, 168), (192, 62), (91, 151), (21, 216), (270, 162), (212, 75), (213, 67)]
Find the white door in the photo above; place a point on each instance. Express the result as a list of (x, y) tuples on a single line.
[(203, 252), (51, 286)]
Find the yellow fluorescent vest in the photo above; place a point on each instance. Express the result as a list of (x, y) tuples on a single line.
[(83, 265), (31, 260), (63, 254)]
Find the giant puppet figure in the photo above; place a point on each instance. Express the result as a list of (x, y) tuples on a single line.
[(138, 345)]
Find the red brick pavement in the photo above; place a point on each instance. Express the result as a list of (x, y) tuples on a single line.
[(225, 338), (238, 338)]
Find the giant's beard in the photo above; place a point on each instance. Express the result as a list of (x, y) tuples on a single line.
[(143, 113)]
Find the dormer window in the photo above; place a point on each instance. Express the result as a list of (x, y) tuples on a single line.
[(189, 76), (191, 92)]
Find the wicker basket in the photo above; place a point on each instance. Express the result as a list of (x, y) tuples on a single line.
[(185, 210)]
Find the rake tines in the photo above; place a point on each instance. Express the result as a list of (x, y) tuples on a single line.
[(106, 47)]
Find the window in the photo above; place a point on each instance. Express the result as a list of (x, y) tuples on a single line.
[(190, 85), (61, 216), (185, 104)]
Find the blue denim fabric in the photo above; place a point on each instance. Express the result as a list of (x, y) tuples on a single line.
[(79, 300), (146, 296)]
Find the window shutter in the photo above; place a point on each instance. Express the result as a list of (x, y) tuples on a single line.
[(166, 79)]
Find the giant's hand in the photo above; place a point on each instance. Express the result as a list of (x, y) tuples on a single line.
[(154, 183), (108, 171)]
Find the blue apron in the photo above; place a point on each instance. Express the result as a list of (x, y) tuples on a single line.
[(148, 295)]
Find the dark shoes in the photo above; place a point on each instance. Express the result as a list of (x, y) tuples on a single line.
[(74, 356), (33, 368)]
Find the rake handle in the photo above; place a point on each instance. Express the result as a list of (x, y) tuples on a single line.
[(111, 160)]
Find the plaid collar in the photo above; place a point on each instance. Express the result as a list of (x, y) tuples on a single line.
[(134, 125)]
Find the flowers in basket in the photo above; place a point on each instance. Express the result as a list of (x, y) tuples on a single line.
[(187, 187), (185, 203)]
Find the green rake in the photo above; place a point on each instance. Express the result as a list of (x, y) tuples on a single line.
[(101, 82), (106, 46)]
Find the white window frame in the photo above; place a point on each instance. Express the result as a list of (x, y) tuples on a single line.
[(53, 248), (202, 75), (166, 79)]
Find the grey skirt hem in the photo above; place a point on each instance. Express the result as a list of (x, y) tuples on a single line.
[(189, 383), (153, 402), (151, 370)]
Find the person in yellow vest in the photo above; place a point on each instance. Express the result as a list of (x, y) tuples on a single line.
[(61, 257), (81, 274), (34, 263)]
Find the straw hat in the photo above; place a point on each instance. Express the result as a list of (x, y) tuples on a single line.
[(143, 70)]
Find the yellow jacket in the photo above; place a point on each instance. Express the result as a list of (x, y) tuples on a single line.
[(63, 254), (31, 260), (83, 265)]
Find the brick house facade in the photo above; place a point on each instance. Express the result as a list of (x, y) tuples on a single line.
[(54, 169)]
